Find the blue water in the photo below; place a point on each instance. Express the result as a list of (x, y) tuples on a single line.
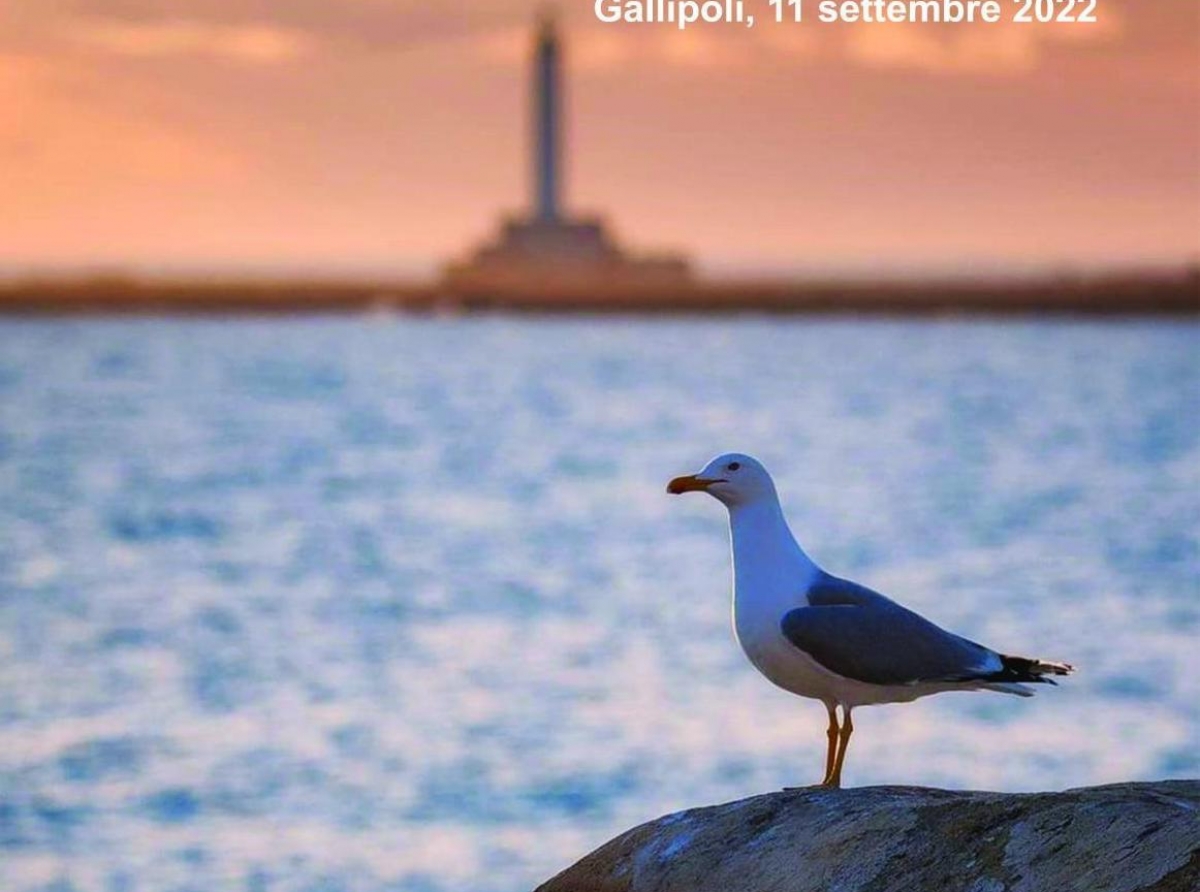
[(402, 605)]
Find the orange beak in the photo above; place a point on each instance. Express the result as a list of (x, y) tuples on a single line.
[(691, 483)]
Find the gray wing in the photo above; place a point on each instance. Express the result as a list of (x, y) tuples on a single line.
[(827, 590), (860, 634)]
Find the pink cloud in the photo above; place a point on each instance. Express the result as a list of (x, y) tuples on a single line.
[(253, 43)]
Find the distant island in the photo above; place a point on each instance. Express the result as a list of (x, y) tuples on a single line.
[(547, 260), (1170, 292)]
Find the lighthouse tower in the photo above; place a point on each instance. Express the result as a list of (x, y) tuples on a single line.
[(547, 138)]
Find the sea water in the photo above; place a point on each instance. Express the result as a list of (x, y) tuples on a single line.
[(401, 604)]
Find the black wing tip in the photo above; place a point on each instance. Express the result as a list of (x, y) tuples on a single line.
[(1027, 671)]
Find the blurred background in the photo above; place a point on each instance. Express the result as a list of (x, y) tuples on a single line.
[(396, 600), (384, 135)]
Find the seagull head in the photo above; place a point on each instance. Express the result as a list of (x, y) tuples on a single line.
[(733, 479)]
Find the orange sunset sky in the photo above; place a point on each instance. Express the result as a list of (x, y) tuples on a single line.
[(384, 136)]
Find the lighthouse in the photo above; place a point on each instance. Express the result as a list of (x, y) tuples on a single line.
[(548, 250)]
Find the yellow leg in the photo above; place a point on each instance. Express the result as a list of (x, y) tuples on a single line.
[(847, 729), (831, 750)]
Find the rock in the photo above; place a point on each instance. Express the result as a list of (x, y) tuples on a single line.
[(1134, 837)]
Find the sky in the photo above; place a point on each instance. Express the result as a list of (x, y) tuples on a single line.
[(388, 136)]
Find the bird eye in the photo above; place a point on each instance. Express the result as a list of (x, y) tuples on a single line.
[(734, 465)]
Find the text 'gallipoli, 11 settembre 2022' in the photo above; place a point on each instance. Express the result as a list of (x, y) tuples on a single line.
[(685, 13)]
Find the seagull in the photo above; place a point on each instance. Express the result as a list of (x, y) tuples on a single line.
[(831, 639)]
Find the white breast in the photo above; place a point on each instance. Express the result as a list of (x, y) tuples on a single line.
[(778, 659), (771, 574)]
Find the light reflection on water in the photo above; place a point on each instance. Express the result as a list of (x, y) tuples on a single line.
[(367, 605)]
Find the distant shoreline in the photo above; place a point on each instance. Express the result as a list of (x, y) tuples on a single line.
[(1154, 294)]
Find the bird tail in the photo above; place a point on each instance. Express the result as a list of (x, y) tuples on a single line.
[(1028, 671)]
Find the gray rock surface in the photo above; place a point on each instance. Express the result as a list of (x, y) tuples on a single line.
[(1132, 837)]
